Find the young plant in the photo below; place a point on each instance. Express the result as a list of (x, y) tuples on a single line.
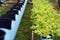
[(45, 20)]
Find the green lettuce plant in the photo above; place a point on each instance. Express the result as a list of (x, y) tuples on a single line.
[(44, 18)]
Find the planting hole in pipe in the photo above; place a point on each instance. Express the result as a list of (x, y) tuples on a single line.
[(2, 34)]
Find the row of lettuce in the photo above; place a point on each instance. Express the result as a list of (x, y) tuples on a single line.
[(45, 20)]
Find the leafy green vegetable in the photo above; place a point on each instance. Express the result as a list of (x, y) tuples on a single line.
[(44, 18)]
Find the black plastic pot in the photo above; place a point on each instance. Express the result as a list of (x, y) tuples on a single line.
[(44, 38), (12, 12), (16, 7), (21, 1), (15, 11), (2, 35), (5, 22), (12, 16), (17, 4)]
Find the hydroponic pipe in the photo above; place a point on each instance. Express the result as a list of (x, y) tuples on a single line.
[(10, 34)]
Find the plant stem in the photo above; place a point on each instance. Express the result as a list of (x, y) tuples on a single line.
[(55, 37), (32, 37)]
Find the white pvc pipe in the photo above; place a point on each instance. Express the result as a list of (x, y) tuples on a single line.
[(10, 34)]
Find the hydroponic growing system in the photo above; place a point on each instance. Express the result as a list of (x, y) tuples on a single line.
[(9, 22)]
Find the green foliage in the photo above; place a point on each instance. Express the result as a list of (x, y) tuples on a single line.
[(45, 19)]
